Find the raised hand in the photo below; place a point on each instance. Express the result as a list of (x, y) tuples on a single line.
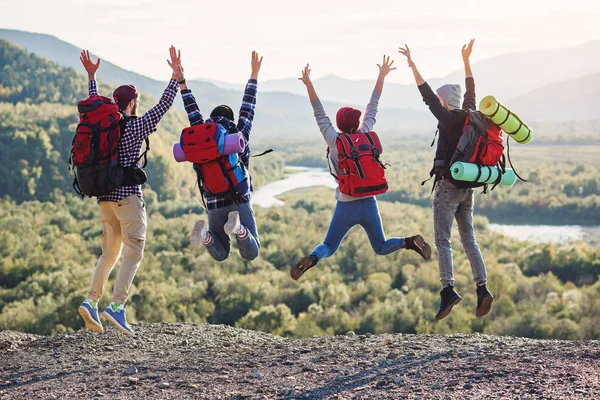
[(467, 49), (306, 76), (175, 57), (89, 66), (386, 67), (175, 64), (405, 51), (256, 63)]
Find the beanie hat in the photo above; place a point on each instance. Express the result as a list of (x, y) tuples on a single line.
[(451, 93), (222, 111), (348, 119), (124, 94)]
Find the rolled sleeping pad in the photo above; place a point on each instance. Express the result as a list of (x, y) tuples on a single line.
[(233, 144), (508, 121), (178, 153), (462, 171)]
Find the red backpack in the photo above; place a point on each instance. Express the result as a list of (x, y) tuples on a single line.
[(94, 153), (361, 173), (95, 149), (219, 175), (480, 142)]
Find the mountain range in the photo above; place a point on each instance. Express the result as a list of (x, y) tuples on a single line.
[(541, 86)]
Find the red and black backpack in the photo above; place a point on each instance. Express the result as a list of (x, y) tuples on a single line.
[(95, 149), (480, 142), (361, 173), (219, 175)]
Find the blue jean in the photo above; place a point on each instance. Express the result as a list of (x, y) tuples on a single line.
[(220, 246), (450, 203), (363, 212)]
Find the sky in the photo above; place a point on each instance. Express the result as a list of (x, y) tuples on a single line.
[(345, 38)]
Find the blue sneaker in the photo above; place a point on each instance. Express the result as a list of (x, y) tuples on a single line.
[(115, 314), (89, 312)]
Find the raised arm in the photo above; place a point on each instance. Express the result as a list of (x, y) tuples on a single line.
[(91, 69), (146, 124), (469, 102), (369, 119), (443, 115), (189, 101), (327, 130), (249, 100)]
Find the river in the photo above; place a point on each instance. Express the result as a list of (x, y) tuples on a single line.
[(302, 177)]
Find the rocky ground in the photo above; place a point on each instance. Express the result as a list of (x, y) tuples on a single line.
[(188, 361)]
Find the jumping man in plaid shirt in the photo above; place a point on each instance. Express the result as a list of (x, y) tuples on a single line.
[(228, 216), (123, 211)]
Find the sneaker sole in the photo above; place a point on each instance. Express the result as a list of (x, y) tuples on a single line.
[(423, 246), (448, 309), (196, 236), (300, 268), (113, 322), (484, 308), (90, 322), (231, 223)]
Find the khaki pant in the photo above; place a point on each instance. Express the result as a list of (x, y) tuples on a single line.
[(123, 225)]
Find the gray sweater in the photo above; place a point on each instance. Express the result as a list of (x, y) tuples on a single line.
[(330, 134)]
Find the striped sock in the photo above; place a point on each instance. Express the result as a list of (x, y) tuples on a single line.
[(243, 232), (208, 239)]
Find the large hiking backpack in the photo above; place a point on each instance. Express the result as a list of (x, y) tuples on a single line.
[(94, 153), (219, 175), (480, 142), (361, 173), (95, 149)]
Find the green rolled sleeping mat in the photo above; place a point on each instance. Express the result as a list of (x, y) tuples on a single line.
[(508, 121), (462, 171)]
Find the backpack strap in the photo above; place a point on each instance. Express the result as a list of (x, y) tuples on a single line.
[(329, 164), (374, 149), (509, 160), (353, 153), (434, 137), (263, 153), (76, 187), (436, 174)]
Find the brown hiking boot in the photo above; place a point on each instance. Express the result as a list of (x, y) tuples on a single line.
[(448, 299), (484, 301), (418, 244), (302, 266)]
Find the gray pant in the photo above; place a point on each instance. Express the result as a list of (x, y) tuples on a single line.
[(451, 202), (220, 247)]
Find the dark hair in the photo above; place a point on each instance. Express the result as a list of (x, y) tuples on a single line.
[(222, 111)]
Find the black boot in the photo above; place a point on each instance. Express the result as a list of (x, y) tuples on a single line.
[(302, 266), (418, 244), (449, 298), (484, 301)]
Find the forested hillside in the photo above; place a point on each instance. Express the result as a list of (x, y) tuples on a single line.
[(38, 116), (50, 239)]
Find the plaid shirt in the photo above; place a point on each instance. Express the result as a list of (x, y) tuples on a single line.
[(136, 130), (244, 126)]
